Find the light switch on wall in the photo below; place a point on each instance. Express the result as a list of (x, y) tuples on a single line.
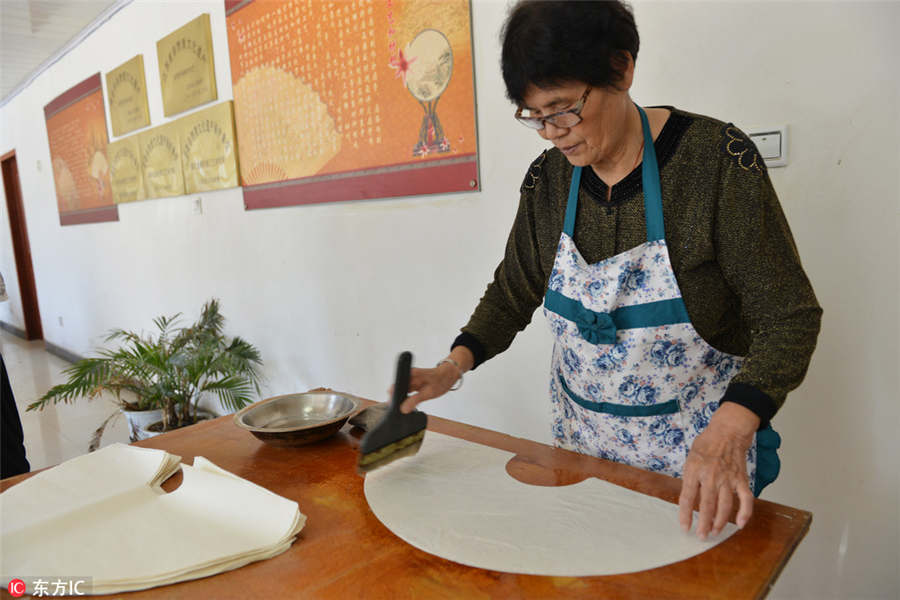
[(772, 144)]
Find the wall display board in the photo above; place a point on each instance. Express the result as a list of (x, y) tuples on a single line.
[(208, 152), (126, 173), (126, 91), (76, 130), (187, 72), (352, 99), (161, 161)]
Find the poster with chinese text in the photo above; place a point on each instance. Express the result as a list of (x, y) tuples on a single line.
[(352, 99), (187, 73), (208, 155), (126, 90), (161, 161), (76, 131), (127, 175)]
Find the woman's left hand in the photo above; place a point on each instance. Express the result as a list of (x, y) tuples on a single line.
[(716, 471)]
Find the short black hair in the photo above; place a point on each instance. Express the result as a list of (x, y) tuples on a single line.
[(548, 43)]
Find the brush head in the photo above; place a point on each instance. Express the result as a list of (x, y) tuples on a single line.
[(397, 434), (408, 446)]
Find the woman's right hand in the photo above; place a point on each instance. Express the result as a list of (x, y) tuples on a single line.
[(427, 384)]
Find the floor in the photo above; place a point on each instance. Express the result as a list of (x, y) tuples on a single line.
[(59, 432)]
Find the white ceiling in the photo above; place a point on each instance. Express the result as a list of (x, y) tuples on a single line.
[(33, 32)]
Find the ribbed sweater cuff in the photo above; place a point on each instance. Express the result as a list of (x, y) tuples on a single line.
[(471, 342), (752, 398)]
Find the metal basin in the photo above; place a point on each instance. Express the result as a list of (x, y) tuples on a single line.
[(297, 419)]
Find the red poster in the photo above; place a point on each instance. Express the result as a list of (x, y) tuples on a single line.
[(76, 130), (352, 99)]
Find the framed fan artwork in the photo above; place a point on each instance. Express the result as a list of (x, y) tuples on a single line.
[(352, 99)]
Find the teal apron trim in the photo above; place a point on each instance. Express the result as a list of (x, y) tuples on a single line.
[(650, 178), (572, 204), (652, 192), (621, 410), (651, 314), (600, 328), (768, 465)]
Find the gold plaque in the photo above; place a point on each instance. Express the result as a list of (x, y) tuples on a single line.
[(126, 90), (126, 175), (207, 149), (161, 159), (187, 72)]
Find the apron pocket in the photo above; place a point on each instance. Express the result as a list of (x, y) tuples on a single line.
[(620, 410), (649, 437)]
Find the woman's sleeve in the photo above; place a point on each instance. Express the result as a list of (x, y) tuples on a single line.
[(760, 262), (519, 281)]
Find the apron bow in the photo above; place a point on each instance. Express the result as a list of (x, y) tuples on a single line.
[(596, 328)]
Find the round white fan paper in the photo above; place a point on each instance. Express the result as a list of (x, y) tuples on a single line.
[(454, 499)]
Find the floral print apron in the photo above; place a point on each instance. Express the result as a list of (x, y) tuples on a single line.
[(631, 379)]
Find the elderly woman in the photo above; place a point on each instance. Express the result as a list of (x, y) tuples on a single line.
[(656, 245)]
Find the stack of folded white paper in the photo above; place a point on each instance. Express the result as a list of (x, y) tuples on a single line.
[(103, 516)]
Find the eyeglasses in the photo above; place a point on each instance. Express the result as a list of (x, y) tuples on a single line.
[(564, 118)]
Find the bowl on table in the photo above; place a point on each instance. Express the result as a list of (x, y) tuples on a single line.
[(297, 419)]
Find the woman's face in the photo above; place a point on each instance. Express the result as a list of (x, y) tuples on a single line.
[(603, 120)]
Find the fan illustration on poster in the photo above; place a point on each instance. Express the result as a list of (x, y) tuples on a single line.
[(352, 99), (426, 79)]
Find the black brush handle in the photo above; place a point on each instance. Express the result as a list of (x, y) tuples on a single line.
[(395, 426), (401, 380)]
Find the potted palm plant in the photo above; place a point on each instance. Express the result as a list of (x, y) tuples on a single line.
[(170, 371)]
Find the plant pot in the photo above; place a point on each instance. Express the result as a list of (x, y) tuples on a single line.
[(138, 420), (155, 427)]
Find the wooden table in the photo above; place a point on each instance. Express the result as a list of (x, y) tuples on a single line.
[(345, 552)]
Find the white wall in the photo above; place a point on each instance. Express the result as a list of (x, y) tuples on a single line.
[(330, 293), (830, 72)]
